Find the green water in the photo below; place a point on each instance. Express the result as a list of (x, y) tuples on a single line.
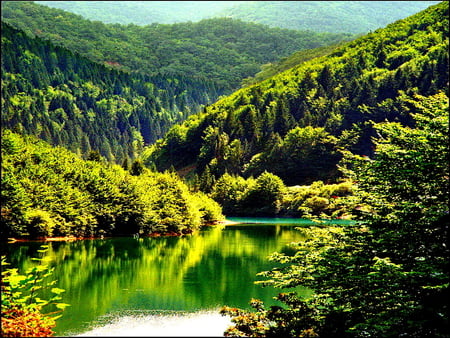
[(108, 278)]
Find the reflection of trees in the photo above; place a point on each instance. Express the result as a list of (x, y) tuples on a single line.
[(212, 268), (226, 273)]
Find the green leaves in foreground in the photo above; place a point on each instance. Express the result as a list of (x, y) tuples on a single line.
[(387, 277), (24, 312)]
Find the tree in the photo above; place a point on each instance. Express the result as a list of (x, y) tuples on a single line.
[(264, 197), (207, 180), (137, 167), (387, 276), (94, 155)]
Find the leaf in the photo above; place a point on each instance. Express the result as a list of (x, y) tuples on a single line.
[(57, 290), (15, 280), (62, 306), (40, 301)]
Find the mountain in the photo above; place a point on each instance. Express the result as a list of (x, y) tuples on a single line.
[(295, 123), (143, 12), (317, 16), (223, 50), (68, 100), (326, 16), (273, 68)]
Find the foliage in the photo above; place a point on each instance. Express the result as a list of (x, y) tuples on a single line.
[(65, 99), (263, 197), (331, 99), (23, 309), (330, 16), (268, 196), (388, 276), (270, 69), (223, 50), (52, 192), (321, 200), (305, 154)]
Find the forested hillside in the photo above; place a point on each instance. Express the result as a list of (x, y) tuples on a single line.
[(386, 276), (49, 191), (318, 16), (326, 16), (294, 123), (297, 58), (142, 12), (224, 50), (68, 100)]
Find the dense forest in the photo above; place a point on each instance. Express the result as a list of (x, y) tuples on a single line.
[(387, 276), (223, 49), (111, 130), (68, 100), (332, 16), (270, 69), (142, 13), (295, 123), (50, 191)]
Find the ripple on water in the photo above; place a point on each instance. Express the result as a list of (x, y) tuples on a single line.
[(196, 324)]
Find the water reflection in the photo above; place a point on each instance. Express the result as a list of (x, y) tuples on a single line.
[(194, 273)]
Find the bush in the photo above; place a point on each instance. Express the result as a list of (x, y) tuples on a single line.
[(265, 196), (317, 204), (22, 307), (40, 223), (20, 322)]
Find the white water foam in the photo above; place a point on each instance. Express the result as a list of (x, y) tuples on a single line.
[(197, 324)]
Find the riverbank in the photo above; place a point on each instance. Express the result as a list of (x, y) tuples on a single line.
[(154, 234)]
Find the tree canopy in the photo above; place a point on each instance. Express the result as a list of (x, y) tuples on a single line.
[(331, 98), (223, 50), (49, 191), (386, 276)]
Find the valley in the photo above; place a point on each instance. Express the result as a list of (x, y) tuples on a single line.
[(210, 156)]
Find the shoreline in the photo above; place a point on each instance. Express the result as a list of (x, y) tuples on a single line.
[(152, 235), (224, 222)]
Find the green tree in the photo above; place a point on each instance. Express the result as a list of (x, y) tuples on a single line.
[(264, 197), (137, 167), (385, 277), (229, 191)]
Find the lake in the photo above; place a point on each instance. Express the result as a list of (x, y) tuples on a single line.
[(165, 285)]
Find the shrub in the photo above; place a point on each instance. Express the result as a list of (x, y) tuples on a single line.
[(22, 309)]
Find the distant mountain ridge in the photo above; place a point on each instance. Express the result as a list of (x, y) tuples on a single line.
[(143, 12), (319, 16), (223, 50), (71, 101), (294, 123), (326, 16)]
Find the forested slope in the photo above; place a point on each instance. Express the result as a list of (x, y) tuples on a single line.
[(68, 100), (294, 123), (224, 50), (49, 191), (386, 276), (142, 12), (326, 16), (317, 16)]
